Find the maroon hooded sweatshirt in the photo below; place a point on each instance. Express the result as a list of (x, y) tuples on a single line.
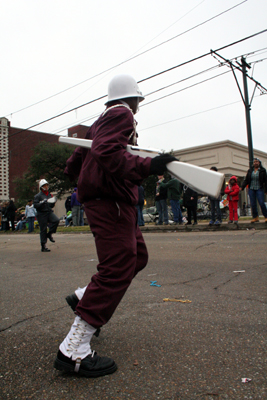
[(107, 170)]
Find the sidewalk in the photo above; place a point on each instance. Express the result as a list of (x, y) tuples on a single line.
[(204, 226)]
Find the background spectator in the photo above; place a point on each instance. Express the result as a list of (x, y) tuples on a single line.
[(232, 191), (256, 179), (215, 207), (4, 221), (10, 214), (161, 202), (68, 204), (30, 214), (75, 208), (140, 205), (81, 215), (174, 191), (190, 202), (21, 221)]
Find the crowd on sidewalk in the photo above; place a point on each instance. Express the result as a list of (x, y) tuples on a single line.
[(17, 219), (181, 197)]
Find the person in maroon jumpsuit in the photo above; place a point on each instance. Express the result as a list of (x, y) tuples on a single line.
[(108, 187)]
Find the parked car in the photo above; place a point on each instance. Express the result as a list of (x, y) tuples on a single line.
[(151, 215)]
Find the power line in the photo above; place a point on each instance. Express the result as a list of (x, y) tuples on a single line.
[(190, 115), (145, 79), (203, 55), (165, 87), (188, 87), (148, 94), (131, 58)]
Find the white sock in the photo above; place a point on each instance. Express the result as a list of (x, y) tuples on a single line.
[(80, 292)]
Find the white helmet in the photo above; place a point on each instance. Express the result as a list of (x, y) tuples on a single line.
[(123, 86), (42, 183)]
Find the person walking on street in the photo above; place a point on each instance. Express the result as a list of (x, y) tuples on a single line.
[(30, 214), (108, 187), (232, 191), (45, 214), (75, 208), (256, 179)]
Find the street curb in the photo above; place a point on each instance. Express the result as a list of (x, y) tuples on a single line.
[(205, 227)]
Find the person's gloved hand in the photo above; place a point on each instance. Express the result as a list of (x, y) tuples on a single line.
[(158, 164), (43, 201)]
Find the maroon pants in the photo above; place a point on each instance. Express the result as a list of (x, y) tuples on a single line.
[(122, 253)]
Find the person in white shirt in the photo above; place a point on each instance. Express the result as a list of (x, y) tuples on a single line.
[(30, 214)]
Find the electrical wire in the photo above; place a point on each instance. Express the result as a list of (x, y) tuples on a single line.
[(170, 94), (130, 59), (160, 89), (145, 79), (183, 89), (190, 115)]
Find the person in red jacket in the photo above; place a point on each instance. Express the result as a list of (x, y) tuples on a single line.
[(108, 187), (232, 191)]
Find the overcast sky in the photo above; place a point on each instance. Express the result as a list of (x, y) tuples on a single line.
[(67, 52)]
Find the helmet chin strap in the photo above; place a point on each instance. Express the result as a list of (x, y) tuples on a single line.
[(124, 104), (127, 105)]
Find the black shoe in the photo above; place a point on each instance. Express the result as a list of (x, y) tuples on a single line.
[(195, 223), (44, 248), (91, 366), (50, 237), (72, 301)]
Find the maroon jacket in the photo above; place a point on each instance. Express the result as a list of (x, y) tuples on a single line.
[(107, 170), (233, 193)]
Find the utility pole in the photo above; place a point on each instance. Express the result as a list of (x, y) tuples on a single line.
[(243, 68), (247, 109)]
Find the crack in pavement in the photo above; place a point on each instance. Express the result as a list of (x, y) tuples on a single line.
[(191, 280), (243, 298), (32, 317), (237, 274), (224, 283), (205, 245)]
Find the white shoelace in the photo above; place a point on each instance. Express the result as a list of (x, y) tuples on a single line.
[(75, 340)]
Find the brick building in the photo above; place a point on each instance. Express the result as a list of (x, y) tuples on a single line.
[(16, 148), (78, 131)]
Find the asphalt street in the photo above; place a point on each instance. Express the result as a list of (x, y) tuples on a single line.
[(197, 348)]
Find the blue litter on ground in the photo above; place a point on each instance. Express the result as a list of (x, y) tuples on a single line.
[(153, 283)]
